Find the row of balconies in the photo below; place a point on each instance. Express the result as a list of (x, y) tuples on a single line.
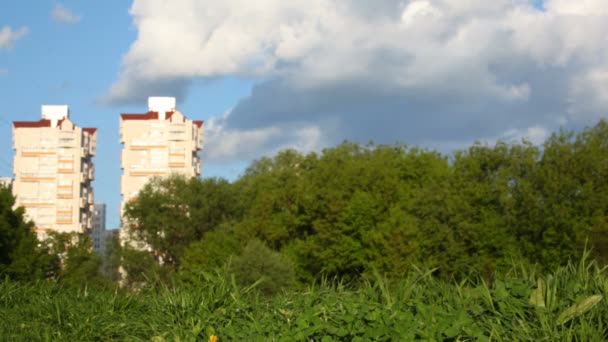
[(143, 144), (146, 144), (46, 176), (38, 151), (161, 167), (144, 170), (200, 142), (35, 202)]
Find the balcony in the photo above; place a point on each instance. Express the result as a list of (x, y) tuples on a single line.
[(66, 141), (65, 168), (138, 170), (35, 202), (37, 151), (90, 197), (64, 220), (64, 210), (177, 152), (65, 195), (65, 189), (65, 183), (177, 135), (36, 176), (92, 172), (65, 157), (200, 141), (139, 144), (176, 160)]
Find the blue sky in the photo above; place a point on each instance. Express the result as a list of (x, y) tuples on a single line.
[(306, 74)]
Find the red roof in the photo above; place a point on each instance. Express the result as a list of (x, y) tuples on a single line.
[(154, 116), (32, 124), (90, 130), (146, 116)]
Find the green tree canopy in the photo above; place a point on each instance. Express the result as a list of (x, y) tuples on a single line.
[(21, 256)]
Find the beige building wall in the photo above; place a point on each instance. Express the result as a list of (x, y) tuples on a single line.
[(157, 143), (53, 170)]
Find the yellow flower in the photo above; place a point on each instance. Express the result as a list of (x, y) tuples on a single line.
[(213, 338)]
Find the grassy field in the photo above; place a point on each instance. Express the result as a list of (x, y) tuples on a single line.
[(568, 305)]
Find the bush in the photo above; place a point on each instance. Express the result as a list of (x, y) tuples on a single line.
[(257, 263)]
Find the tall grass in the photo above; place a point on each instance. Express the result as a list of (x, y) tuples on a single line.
[(567, 305)]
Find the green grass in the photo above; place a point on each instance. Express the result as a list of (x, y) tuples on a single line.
[(567, 305)]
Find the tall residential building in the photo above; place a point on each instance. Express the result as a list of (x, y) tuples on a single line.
[(99, 227), (159, 142), (53, 171)]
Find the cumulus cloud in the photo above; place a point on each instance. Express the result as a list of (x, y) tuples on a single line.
[(8, 36), (434, 72), (63, 15), (225, 144), (535, 134)]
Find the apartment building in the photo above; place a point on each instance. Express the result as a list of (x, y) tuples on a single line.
[(157, 143), (99, 227), (53, 170)]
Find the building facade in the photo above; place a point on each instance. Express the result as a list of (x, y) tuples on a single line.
[(99, 227), (53, 170), (157, 143)]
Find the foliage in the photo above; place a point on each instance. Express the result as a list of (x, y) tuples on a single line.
[(257, 265), (210, 253), (79, 266), (416, 307), (352, 209), (21, 257), (140, 267), (171, 213)]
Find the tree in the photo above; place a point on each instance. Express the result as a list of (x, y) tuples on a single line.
[(21, 256), (79, 265), (484, 188), (171, 213)]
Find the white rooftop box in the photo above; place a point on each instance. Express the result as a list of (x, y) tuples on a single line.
[(55, 112), (161, 105)]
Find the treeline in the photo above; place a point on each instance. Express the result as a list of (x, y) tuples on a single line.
[(353, 210)]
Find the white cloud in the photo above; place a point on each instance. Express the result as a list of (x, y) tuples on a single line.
[(224, 144), (578, 7), (419, 71), (8, 36), (62, 14), (535, 134)]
